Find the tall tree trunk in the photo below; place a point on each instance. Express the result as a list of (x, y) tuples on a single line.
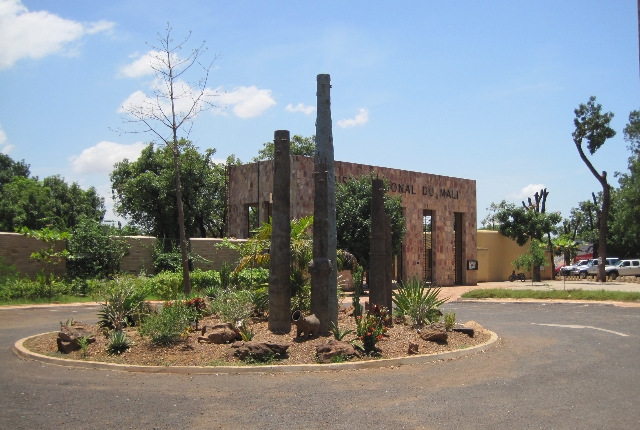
[(602, 243), (183, 240)]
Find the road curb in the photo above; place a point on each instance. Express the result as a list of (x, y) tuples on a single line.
[(25, 354), (550, 301)]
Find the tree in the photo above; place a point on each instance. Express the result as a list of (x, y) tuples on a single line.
[(299, 146), (353, 218), (144, 192), (591, 124), (625, 222), (10, 168), (175, 106), (528, 222), (28, 202), (490, 222)]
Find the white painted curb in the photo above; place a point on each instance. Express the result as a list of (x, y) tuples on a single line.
[(24, 353)]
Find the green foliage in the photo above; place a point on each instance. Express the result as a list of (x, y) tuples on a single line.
[(14, 288), (51, 238), (353, 218), (521, 224), (170, 324), (298, 146), (301, 300), (225, 275), (166, 285), (144, 191), (260, 299), (122, 302), (591, 124), (535, 256), (10, 168), (449, 320), (579, 294), (357, 284), (337, 333), (83, 343), (118, 343), (245, 332), (233, 306), (411, 300), (203, 280), (34, 204), (93, 252)]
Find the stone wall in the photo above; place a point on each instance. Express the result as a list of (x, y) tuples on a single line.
[(420, 192), (16, 250)]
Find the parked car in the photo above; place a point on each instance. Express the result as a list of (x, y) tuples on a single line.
[(585, 270), (624, 268), (566, 270)]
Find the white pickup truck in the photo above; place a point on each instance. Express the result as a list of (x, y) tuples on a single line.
[(624, 268)]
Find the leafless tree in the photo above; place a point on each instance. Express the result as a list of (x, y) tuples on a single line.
[(173, 107)]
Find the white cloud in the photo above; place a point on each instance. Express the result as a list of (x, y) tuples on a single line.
[(361, 118), (3, 138), (25, 34), (101, 157), (247, 102), (527, 191), (300, 108), (142, 65)]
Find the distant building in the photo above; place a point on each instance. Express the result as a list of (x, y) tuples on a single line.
[(447, 256)]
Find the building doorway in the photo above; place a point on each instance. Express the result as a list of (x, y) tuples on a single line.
[(253, 221), (427, 235), (457, 247)]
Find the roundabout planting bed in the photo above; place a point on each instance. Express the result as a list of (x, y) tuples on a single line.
[(301, 354)]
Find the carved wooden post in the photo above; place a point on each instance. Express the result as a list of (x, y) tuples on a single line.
[(324, 150), (388, 247), (377, 253), (321, 267), (280, 252)]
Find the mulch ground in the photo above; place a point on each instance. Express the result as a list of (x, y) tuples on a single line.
[(188, 352)]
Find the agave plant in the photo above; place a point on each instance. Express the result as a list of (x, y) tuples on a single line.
[(118, 342), (412, 300), (337, 333)]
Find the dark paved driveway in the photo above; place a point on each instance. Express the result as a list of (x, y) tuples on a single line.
[(539, 376)]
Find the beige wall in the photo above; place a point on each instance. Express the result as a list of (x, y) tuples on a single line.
[(495, 254), (16, 251)]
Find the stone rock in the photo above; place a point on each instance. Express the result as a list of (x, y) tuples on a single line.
[(259, 350), (219, 333), (69, 335), (477, 328), (334, 348), (462, 329), (434, 332), (413, 348)]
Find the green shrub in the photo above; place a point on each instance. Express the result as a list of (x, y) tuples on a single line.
[(337, 333), (412, 301), (369, 329), (118, 343), (202, 280), (260, 299), (302, 300), (25, 288), (168, 325), (449, 320), (123, 302), (166, 285), (233, 305), (249, 278)]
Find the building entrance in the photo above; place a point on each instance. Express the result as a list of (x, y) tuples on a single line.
[(427, 238), (457, 247)]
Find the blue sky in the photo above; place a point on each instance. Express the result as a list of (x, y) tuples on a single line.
[(479, 90)]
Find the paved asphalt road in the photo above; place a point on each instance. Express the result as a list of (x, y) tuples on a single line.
[(541, 374)]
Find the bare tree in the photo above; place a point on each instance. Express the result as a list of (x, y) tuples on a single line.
[(593, 126), (174, 106)]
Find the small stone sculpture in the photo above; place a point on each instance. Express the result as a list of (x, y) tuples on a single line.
[(310, 325), (70, 333)]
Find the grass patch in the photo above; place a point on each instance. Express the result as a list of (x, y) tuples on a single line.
[(579, 294), (46, 300)]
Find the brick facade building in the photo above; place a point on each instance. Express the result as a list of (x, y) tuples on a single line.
[(442, 204)]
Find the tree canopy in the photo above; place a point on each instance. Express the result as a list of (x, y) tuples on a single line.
[(35, 204), (144, 191), (299, 146), (353, 218)]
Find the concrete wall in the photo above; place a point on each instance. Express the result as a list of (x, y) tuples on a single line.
[(16, 250), (495, 254)]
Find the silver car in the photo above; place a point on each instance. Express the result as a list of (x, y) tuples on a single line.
[(592, 269), (624, 268)]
